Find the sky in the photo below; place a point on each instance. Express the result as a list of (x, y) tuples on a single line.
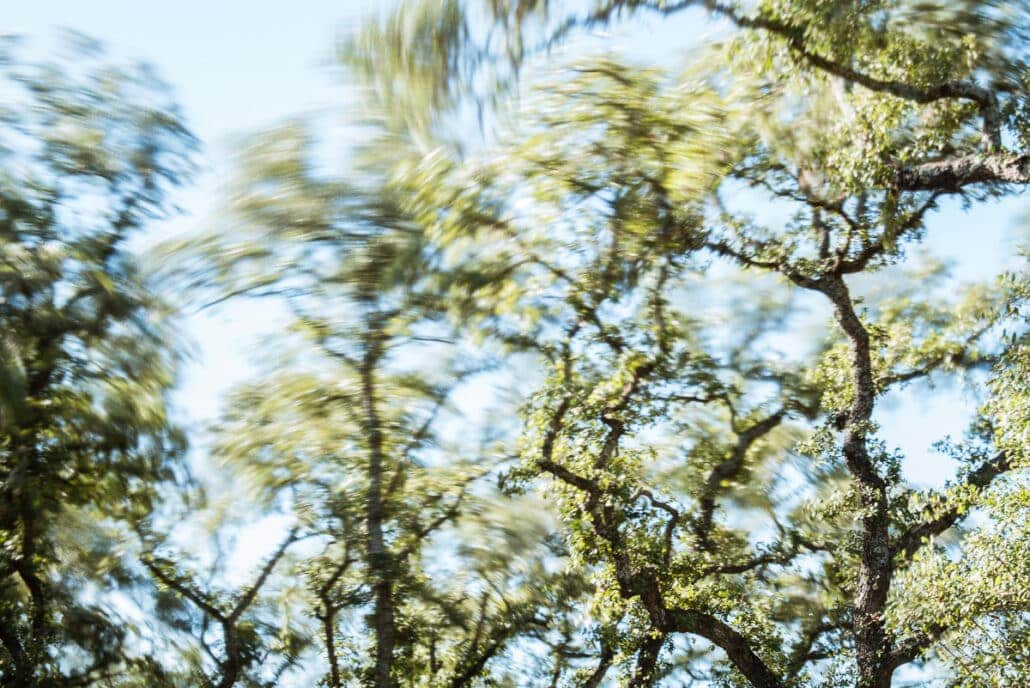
[(238, 66), (235, 67)]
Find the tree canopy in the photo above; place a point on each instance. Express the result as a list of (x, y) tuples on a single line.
[(605, 400)]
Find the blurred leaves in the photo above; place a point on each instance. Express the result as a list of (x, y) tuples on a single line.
[(658, 290), (90, 152)]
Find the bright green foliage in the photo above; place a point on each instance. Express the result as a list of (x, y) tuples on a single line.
[(728, 495), (710, 281), (89, 151)]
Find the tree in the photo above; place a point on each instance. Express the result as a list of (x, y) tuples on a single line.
[(857, 120), (89, 151), (710, 279), (414, 574)]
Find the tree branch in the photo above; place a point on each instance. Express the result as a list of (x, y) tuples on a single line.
[(248, 596), (953, 174), (726, 470), (910, 541), (645, 673), (875, 569)]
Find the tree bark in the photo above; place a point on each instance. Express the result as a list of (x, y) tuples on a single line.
[(956, 173), (378, 556), (872, 653)]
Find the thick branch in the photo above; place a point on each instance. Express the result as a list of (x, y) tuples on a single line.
[(909, 649), (735, 645), (875, 570), (954, 174), (646, 673)]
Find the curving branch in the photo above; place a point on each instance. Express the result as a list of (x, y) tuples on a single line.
[(604, 663), (646, 672), (913, 539), (726, 470), (644, 584), (233, 665), (804, 651), (911, 648), (985, 99)]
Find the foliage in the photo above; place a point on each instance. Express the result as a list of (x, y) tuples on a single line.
[(348, 431), (89, 151), (613, 209), (710, 282)]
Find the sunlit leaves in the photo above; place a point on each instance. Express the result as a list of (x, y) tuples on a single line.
[(646, 243)]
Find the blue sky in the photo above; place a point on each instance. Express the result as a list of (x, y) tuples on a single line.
[(238, 66), (235, 64)]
